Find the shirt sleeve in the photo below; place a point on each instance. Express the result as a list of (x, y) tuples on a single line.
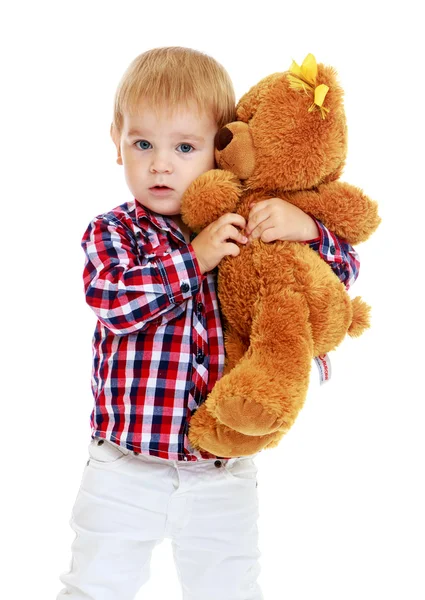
[(341, 256), (125, 295)]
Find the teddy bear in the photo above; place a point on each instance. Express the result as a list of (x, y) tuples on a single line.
[(282, 305)]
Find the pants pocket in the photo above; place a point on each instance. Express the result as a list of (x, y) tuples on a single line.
[(104, 452), (242, 470)]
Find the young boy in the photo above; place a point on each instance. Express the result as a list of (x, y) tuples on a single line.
[(158, 348)]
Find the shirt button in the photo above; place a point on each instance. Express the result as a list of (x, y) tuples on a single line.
[(332, 250), (199, 307), (185, 287), (217, 464), (200, 357)]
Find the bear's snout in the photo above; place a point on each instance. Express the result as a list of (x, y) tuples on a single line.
[(223, 138), (234, 149)]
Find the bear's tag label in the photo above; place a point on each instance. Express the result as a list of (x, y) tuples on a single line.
[(323, 363)]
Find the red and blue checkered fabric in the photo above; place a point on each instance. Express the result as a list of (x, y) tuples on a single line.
[(341, 256)]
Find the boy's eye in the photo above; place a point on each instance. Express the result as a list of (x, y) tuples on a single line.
[(144, 144), (185, 148)]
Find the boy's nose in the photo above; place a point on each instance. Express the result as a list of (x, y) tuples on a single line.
[(156, 169), (160, 166)]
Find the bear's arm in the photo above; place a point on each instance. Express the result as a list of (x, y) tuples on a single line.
[(208, 197), (343, 208)]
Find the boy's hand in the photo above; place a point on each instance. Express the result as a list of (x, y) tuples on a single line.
[(212, 244), (277, 219)]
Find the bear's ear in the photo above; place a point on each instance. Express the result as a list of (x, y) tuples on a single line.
[(248, 104)]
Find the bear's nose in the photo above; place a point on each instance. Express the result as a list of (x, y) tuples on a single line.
[(223, 138)]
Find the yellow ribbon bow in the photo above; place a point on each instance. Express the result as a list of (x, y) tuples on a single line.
[(304, 78)]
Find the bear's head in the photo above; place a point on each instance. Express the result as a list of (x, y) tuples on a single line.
[(290, 132)]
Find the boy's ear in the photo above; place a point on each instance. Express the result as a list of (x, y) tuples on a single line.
[(116, 139)]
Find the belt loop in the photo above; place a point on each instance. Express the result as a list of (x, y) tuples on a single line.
[(176, 465)]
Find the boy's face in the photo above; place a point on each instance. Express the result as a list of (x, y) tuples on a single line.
[(163, 153)]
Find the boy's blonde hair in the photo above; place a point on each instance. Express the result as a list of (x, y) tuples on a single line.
[(168, 77)]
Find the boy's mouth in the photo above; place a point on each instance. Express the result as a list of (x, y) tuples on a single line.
[(160, 190)]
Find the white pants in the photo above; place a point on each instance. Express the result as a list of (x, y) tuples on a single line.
[(128, 503)]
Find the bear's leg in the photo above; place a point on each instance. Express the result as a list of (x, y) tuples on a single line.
[(235, 346), (264, 392), (206, 433)]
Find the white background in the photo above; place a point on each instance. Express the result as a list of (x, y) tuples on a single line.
[(341, 498)]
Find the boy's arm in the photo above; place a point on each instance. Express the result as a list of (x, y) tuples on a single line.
[(126, 296), (341, 256)]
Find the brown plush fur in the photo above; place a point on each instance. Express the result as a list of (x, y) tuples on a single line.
[(281, 303)]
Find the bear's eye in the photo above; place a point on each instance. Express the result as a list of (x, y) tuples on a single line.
[(247, 106), (249, 103), (244, 112)]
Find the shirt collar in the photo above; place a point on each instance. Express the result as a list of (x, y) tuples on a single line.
[(160, 221)]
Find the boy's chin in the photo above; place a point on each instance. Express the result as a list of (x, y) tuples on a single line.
[(162, 207)]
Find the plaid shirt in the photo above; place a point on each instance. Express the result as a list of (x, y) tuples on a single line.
[(158, 343)]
